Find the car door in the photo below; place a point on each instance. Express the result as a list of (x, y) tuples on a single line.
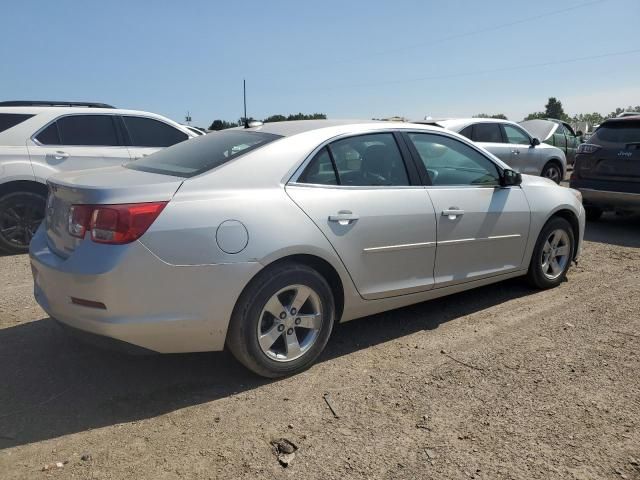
[(147, 135), (524, 155), (560, 138), (78, 142), (489, 136), (367, 200), (572, 143), (482, 227)]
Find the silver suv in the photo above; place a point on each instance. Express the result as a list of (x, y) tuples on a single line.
[(512, 144), (38, 139)]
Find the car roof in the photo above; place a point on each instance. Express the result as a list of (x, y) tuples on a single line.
[(294, 127), (628, 118), (35, 110), (460, 123)]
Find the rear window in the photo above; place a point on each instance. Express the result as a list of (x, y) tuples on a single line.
[(201, 154), (9, 120), (618, 132)]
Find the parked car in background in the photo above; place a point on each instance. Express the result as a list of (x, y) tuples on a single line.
[(607, 169), (557, 133), (261, 239), (511, 144), (197, 130), (628, 114), (38, 139)]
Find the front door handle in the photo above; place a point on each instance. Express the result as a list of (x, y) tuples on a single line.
[(344, 217), (515, 152), (59, 155), (452, 213)]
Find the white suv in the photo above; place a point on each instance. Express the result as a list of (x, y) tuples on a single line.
[(38, 139)]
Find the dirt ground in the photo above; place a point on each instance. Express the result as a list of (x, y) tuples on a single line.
[(497, 383)]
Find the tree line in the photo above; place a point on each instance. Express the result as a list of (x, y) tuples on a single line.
[(554, 109), (223, 124)]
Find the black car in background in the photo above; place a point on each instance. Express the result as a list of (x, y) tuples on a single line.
[(607, 169)]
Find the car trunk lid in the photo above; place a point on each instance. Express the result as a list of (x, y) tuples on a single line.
[(104, 186)]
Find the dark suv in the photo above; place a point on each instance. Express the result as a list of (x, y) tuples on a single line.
[(607, 169)]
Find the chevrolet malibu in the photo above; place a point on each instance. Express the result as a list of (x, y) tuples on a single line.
[(261, 239)]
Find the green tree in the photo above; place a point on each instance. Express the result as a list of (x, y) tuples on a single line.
[(495, 115), (303, 116), (275, 118), (221, 125), (535, 116), (553, 109)]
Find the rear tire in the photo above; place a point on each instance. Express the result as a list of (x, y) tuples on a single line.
[(552, 171), (20, 215), (552, 254), (287, 341), (593, 213)]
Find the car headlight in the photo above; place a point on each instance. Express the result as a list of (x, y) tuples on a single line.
[(577, 194)]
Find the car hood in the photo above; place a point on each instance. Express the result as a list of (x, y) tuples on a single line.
[(541, 129)]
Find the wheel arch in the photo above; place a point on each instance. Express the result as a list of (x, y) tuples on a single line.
[(324, 268), (23, 186)]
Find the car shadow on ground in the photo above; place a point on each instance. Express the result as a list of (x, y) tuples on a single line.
[(52, 385), (621, 230)]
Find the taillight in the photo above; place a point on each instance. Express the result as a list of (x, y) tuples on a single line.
[(588, 148), (115, 224), (79, 217)]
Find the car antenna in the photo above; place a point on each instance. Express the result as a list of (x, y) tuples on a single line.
[(244, 97)]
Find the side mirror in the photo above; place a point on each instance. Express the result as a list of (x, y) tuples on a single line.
[(510, 178), (579, 133), (535, 141)]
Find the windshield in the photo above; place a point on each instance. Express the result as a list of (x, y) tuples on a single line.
[(201, 154)]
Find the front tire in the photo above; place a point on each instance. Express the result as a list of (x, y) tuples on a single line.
[(552, 254), (552, 171), (282, 320), (20, 215)]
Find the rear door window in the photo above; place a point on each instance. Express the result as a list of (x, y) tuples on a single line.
[(50, 135), (147, 132), (87, 130), (204, 153), (320, 170), (487, 132), (10, 120), (372, 160)]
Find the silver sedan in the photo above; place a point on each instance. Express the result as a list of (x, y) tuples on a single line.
[(261, 239)]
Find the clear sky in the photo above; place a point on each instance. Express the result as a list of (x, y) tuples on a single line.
[(347, 58)]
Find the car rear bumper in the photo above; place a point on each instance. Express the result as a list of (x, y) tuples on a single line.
[(147, 302), (610, 200)]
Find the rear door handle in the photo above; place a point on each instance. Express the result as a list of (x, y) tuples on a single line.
[(344, 217), (452, 213), (59, 155)]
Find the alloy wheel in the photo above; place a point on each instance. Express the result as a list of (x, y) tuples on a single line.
[(553, 173), (555, 254), (19, 221), (290, 323)]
